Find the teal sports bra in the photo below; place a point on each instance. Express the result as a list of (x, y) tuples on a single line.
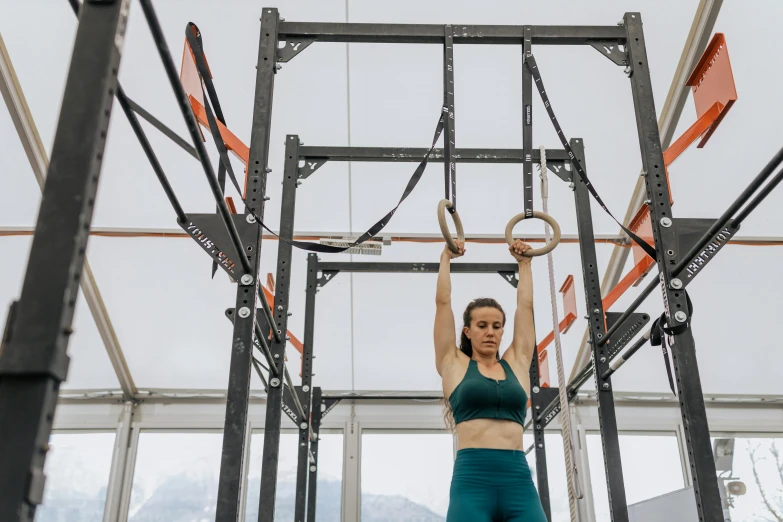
[(481, 397)]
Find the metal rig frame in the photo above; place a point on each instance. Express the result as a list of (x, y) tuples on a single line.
[(33, 358)]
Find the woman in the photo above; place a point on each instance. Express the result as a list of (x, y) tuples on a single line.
[(487, 396)]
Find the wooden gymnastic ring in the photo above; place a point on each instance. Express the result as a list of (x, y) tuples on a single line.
[(533, 252), (444, 228)]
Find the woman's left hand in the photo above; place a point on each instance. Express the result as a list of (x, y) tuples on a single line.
[(518, 249)]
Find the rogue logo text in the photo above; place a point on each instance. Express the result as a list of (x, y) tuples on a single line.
[(712, 248), (200, 237)]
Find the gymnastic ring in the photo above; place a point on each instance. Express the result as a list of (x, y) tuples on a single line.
[(533, 252), (444, 228)]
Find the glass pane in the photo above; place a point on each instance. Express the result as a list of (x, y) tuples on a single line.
[(77, 474), (651, 467), (406, 476), (556, 476), (176, 477), (328, 497), (752, 477)]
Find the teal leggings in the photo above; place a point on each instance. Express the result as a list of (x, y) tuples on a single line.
[(493, 485)]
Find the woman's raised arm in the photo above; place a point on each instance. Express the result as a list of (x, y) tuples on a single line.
[(445, 328)]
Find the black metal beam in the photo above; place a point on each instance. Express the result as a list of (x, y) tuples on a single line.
[(457, 268), (527, 125), (309, 401), (274, 401), (238, 392), (414, 155), (607, 417), (463, 34), (539, 398), (313, 478), (694, 415), (33, 355)]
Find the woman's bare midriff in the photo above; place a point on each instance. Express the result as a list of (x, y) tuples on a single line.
[(489, 433)]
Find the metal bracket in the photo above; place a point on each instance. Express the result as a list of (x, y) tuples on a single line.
[(689, 231), (543, 398), (510, 278), (561, 169), (289, 406), (627, 331), (209, 231), (293, 47), (326, 276), (612, 50), (329, 405), (310, 166)]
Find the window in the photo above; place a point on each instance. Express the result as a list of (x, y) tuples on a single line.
[(328, 498), (651, 467), (176, 477), (405, 476), (751, 475), (77, 470), (556, 475)]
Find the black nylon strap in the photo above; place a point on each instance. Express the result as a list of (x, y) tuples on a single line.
[(530, 62), (449, 139), (658, 337), (195, 45)]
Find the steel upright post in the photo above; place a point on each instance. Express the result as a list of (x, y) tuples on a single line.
[(274, 399), (694, 415), (33, 351), (306, 428), (238, 392), (607, 418), (313, 477), (538, 400)]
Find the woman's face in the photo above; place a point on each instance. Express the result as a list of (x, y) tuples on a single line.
[(486, 330)]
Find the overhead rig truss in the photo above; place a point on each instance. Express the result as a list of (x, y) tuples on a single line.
[(33, 358)]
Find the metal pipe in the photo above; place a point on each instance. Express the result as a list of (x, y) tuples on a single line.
[(256, 365), (266, 351), (294, 394), (626, 355), (733, 208), (631, 309), (190, 120), (739, 218), (268, 313)]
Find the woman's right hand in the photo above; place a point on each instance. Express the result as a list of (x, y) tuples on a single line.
[(453, 255)]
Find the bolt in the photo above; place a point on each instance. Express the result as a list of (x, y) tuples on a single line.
[(305, 388), (538, 407), (571, 185), (275, 382), (602, 359), (267, 198), (605, 386), (596, 311), (268, 170), (666, 222), (280, 308), (676, 283), (250, 218), (279, 66), (599, 335), (627, 72), (681, 316), (277, 356), (244, 312), (538, 426), (298, 183), (290, 314), (287, 337), (540, 445), (536, 389), (247, 279), (647, 201), (312, 469), (303, 426)]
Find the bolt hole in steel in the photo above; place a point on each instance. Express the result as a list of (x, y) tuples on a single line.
[(533, 252), (444, 227)]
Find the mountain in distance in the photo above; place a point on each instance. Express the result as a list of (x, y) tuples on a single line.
[(184, 498)]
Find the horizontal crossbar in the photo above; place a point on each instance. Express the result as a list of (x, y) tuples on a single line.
[(400, 154)]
